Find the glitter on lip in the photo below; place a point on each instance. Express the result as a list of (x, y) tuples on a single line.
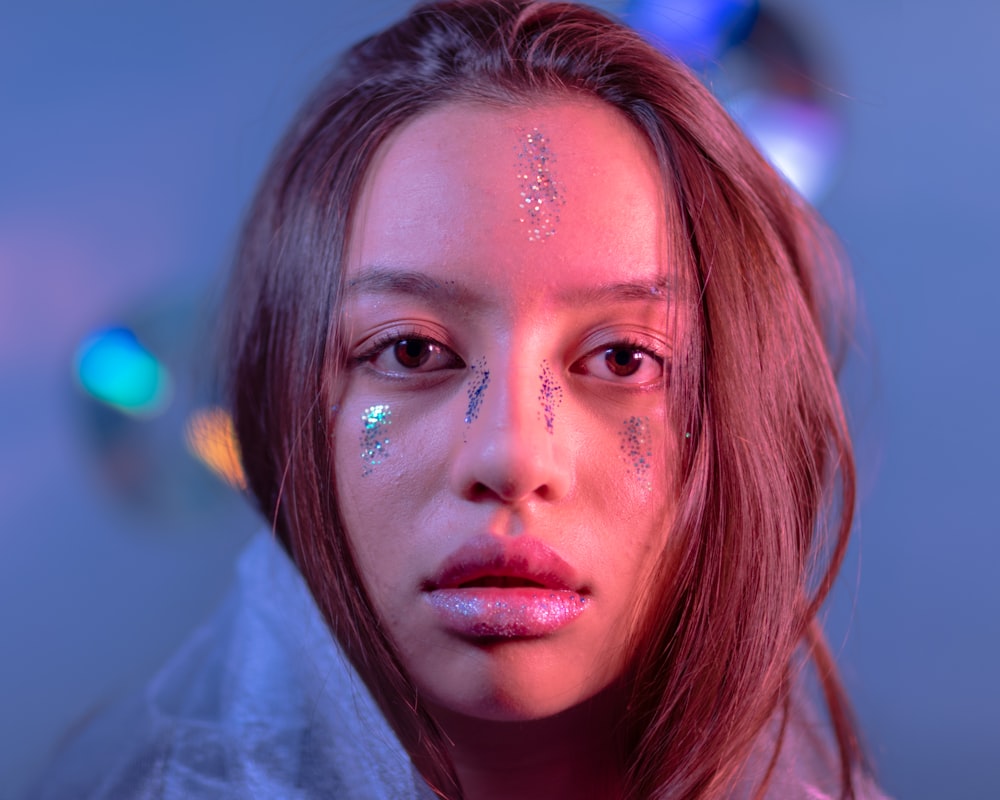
[(506, 613), (503, 588), (374, 442), (541, 195)]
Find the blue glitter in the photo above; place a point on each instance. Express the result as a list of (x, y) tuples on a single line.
[(477, 388), (374, 442), (550, 395), (635, 445)]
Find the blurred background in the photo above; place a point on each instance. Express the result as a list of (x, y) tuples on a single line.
[(132, 136)]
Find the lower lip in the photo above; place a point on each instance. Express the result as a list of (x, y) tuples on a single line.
[(506, 613)]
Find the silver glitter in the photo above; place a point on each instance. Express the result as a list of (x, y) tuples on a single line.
[(541, 194), (493, 614), (374, 442), (636, 447)]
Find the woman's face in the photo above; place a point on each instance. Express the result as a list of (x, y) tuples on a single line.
[(501, 443)]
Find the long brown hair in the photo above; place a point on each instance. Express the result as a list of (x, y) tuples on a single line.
[(766, 477)]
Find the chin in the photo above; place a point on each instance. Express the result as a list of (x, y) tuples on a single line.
[(510, 683)]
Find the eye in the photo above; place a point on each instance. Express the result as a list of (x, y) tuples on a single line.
[(623, 362), (400, 355)]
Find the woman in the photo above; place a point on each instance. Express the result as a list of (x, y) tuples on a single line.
[(531, 361)]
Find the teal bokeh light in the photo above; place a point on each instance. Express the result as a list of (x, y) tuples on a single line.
[(112, 366)]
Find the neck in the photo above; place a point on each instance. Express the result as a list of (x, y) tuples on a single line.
[(573, 754)]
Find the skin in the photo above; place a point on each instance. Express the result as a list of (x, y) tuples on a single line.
[(529, 716)]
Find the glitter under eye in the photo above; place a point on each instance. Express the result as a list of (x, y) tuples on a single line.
[(541, 194), (636, 447), (374, 442), (477, 388), (550, 395)]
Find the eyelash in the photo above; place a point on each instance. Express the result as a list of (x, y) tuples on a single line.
[(393, 337), (636, 344)]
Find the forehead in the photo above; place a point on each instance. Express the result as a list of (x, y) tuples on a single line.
[(447, 192)]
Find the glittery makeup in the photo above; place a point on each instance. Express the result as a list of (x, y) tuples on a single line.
[(550, 395), (479, 380), (636, 447), (374, 441), (541, 194), (507, 613)]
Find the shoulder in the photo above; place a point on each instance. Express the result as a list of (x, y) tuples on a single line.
[(259, 702), (806, 765)]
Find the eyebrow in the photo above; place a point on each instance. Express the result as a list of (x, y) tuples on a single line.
[(381, 280), (657, 290)]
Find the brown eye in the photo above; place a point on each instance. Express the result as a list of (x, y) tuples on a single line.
[(413, 353), (410, 355), (624, 361)]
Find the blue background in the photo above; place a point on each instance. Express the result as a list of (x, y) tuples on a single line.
[(131, 136)]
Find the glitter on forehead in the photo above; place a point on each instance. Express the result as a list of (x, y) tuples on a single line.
[(636, 446), (478, 382), (541, 194), (374, 441), (550, 395)]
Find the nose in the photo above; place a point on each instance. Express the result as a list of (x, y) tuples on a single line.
[(516, 447)]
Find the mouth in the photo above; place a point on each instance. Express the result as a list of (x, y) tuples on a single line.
[(501, 582), (491, 589), (521, 562)]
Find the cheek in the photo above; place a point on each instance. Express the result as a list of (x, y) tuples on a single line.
[(374, 438), (370, 449), (634, 474), (636, 451), (388, 458)]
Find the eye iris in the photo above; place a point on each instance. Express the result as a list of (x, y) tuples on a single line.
[(412, 353), (623, 361)]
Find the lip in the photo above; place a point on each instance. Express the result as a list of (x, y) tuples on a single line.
[(520, 558), (505, 589)]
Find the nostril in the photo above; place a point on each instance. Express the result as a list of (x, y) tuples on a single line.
[(504, 491), (509, 459), (479, 491)]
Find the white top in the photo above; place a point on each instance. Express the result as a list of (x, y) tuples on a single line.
[(262, 703)]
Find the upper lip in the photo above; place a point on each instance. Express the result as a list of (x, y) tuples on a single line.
[(519, 559)]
